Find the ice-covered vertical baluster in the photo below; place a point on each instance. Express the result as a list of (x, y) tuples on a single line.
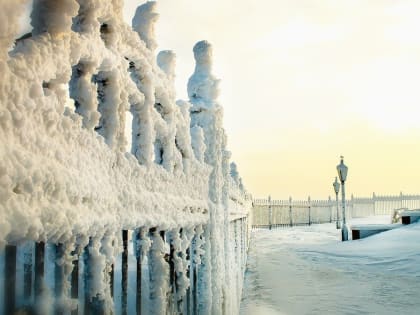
[(10, 255), (28, 272), (208, 114), (112, 104), (197, 142), (143, 126), (183, 134), (83, 92), (59, 278), (183, 269), (96, 261), (180, 241), (142, 245), (199, 273), (165, 106), (144, 23), (159, 271), (229, 298)]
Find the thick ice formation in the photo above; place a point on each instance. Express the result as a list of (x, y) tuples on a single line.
[(144, 23), (65, 177)]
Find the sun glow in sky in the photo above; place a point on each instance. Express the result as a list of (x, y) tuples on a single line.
[(305, 81)]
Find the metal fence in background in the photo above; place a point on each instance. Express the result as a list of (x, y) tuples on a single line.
[(269, 213)]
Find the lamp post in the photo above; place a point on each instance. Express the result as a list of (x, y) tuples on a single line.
[(342, 174), (336, 186), (270, 213)]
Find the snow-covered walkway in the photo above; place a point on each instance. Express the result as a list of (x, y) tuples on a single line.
[(307, 270)]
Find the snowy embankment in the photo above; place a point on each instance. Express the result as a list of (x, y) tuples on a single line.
[(307, 270)]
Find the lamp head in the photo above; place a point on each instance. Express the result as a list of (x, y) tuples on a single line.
[(336, 185), (342, 170)]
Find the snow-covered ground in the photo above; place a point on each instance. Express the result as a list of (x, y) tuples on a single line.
[(307, 270)]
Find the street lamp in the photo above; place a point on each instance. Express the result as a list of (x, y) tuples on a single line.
[(336, 186), (342, 174)]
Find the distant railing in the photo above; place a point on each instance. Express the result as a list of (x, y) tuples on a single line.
[(280, 213)]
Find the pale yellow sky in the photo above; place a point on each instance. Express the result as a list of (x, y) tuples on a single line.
[(305, 81)]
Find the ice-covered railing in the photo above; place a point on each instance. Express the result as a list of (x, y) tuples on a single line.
[(291, 212), (78, 185)]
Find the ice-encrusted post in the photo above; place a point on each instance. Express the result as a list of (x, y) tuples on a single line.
[(27, 272), (197, 252), (290, 211), (74, 279), (208, 114), (330, 207), (95, 287), (10, 279), (270, 213), (124, 272), (112, 104), (159, 271), (83, 92), (144, 23), (39, 269), (228, 303), (59, 277), (143, 130), (309, 210), (142, 245)]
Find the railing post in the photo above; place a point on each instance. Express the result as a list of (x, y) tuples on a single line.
[(193, 273), (124, 273), (195, 291), (93, 304), (401, 199), (27, 274), (374, 203), (270, 212), (74, 290), (188, 294), (172, 275), (39, 269), (242, 243), (330, 207), (111, 280), (309, 206), (59, 276), (158, 269), (10, 280), (139, 257), (290, 211)]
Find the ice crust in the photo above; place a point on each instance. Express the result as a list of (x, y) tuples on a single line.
[(65, 175)]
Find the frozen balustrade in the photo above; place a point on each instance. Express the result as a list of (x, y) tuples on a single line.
[(88, 211)]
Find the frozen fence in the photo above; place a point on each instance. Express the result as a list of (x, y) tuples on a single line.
[(95, 217), (155, 269), (274, 213)]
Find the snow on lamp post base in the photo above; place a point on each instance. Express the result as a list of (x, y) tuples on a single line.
[(342, 173)]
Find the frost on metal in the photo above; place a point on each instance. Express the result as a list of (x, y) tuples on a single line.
[(65, 174)]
